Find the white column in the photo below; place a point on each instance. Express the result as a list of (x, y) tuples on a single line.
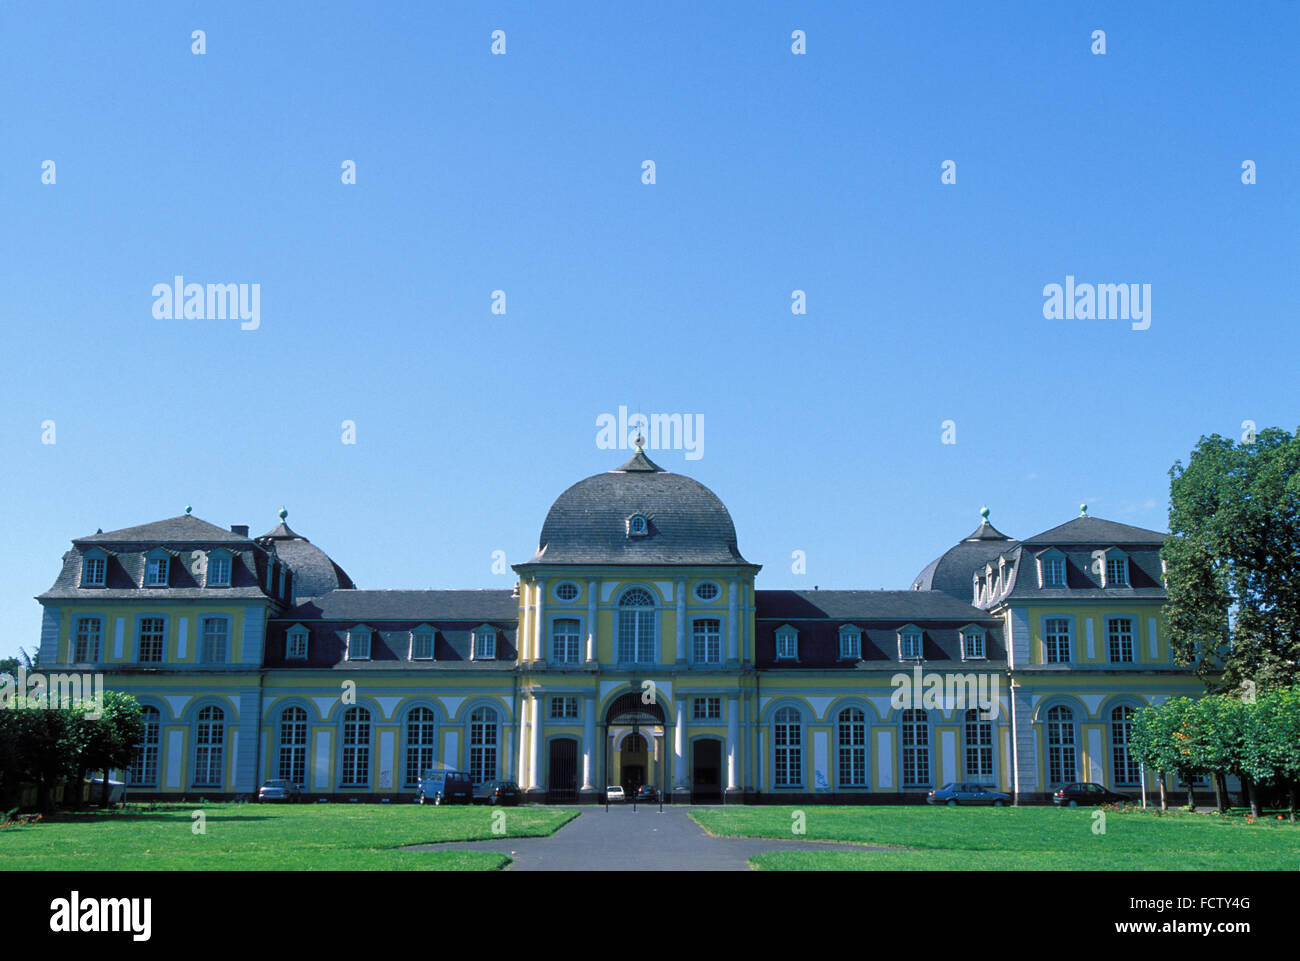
[(535, 745), (733, 738), (589, 744), (591, 621), (539, 623), (680, 588), (679, 746), (522, 761), (733, 622), (524, 635)]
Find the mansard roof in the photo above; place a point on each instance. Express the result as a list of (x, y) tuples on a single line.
[(860, 606), (1097, 532), (185, 529), (498, 606)]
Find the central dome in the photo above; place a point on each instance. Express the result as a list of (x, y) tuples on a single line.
[(638, 514)]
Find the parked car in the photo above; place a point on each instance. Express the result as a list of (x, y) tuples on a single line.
[(647, 793), (280, 790), (1087, 792), (614, 794), (445, 787), (962, 792), (504, 793), (95, 790)]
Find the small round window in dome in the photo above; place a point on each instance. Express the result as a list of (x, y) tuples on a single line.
[(706, 591), (637, 526), (566, 591)]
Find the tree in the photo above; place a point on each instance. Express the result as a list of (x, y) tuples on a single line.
[(110, 741), (1272, 744), (1171, 738), (1220, 740), (40, 745), (1233, 561)]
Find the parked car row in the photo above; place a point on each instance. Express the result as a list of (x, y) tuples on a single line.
[(645, 794), (1070, 795)]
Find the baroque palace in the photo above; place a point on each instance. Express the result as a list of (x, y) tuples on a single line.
[(633, 650)]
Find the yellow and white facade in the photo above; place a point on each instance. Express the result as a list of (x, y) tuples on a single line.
[(634, 650)]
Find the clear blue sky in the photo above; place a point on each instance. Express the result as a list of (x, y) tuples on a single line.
[(523, 173)]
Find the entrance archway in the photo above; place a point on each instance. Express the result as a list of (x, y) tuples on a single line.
[(634, 737)]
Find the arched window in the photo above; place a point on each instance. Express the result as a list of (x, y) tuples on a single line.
[(1125, 768), (421, 744), (209, 747), (636, 627), (483, 739), (787, 739), (916, 748), (144, 766), (292, 764), (634, 744), (979, 748), (853, 747), (1060, 746), (356, 747)]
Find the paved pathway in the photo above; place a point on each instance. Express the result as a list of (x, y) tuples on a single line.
[(641, 840)]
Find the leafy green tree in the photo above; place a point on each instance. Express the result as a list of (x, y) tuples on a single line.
[(1220, 740), (109, 741), (1272, 744), (41, 746), (1233, 561), (1171, 738)]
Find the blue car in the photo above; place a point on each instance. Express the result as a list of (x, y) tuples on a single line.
[(960, 792)]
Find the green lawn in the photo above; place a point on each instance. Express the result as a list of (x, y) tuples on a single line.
[(253, 837), (982, 839)]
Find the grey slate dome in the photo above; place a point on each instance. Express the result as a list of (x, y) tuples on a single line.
[(593, 521), (314, 572), (951, 572)]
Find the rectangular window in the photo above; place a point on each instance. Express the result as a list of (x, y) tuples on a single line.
[(565, 641), (422, 646), (219, 571), (787, 646), (359, 645), (853, 748), (564, 708), (85, 641), (215, 630), (851, 645), (706, 709), (973, 645), (1120, 636), (1056, 640), (150, 650), (92, 575), (916, 749), (910, 646), (1054, 572), (485, 645), (979, 748), (298, 645), (1117, 572), (706, 641), (156, 572), (636, 636)]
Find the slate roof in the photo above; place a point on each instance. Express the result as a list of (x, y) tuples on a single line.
[(951, 571), (314, 571), (1096, 531), (491, 606), (688, 524), (185, 529), (902, 606)]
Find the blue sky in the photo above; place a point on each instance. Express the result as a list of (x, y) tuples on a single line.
[(522, 173)]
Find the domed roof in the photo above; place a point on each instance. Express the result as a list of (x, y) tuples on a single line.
[(314, 573), (951, 572), (599, 521)]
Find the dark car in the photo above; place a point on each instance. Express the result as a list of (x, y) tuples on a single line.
[(647, 794), (280, 790), (962, 792), (504, 793), (445, 787), (1086, 792)]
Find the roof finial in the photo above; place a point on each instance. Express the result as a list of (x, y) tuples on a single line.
[(984, 513), (1083, 510), (188, 508), (640, 439), (283, 514)]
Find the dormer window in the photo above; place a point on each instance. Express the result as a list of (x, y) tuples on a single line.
[(296, 646), (94, 569), (787, 643), (909, 644), (1051, 568), (637, 526), (156, 570), (485, 643), (972, 644), (359, 644), (850, 643), (422, 643), (1116, 571), (218, 569)]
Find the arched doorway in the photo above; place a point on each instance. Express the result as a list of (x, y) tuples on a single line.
[(562, 771), (706, 770), (634, 739)]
